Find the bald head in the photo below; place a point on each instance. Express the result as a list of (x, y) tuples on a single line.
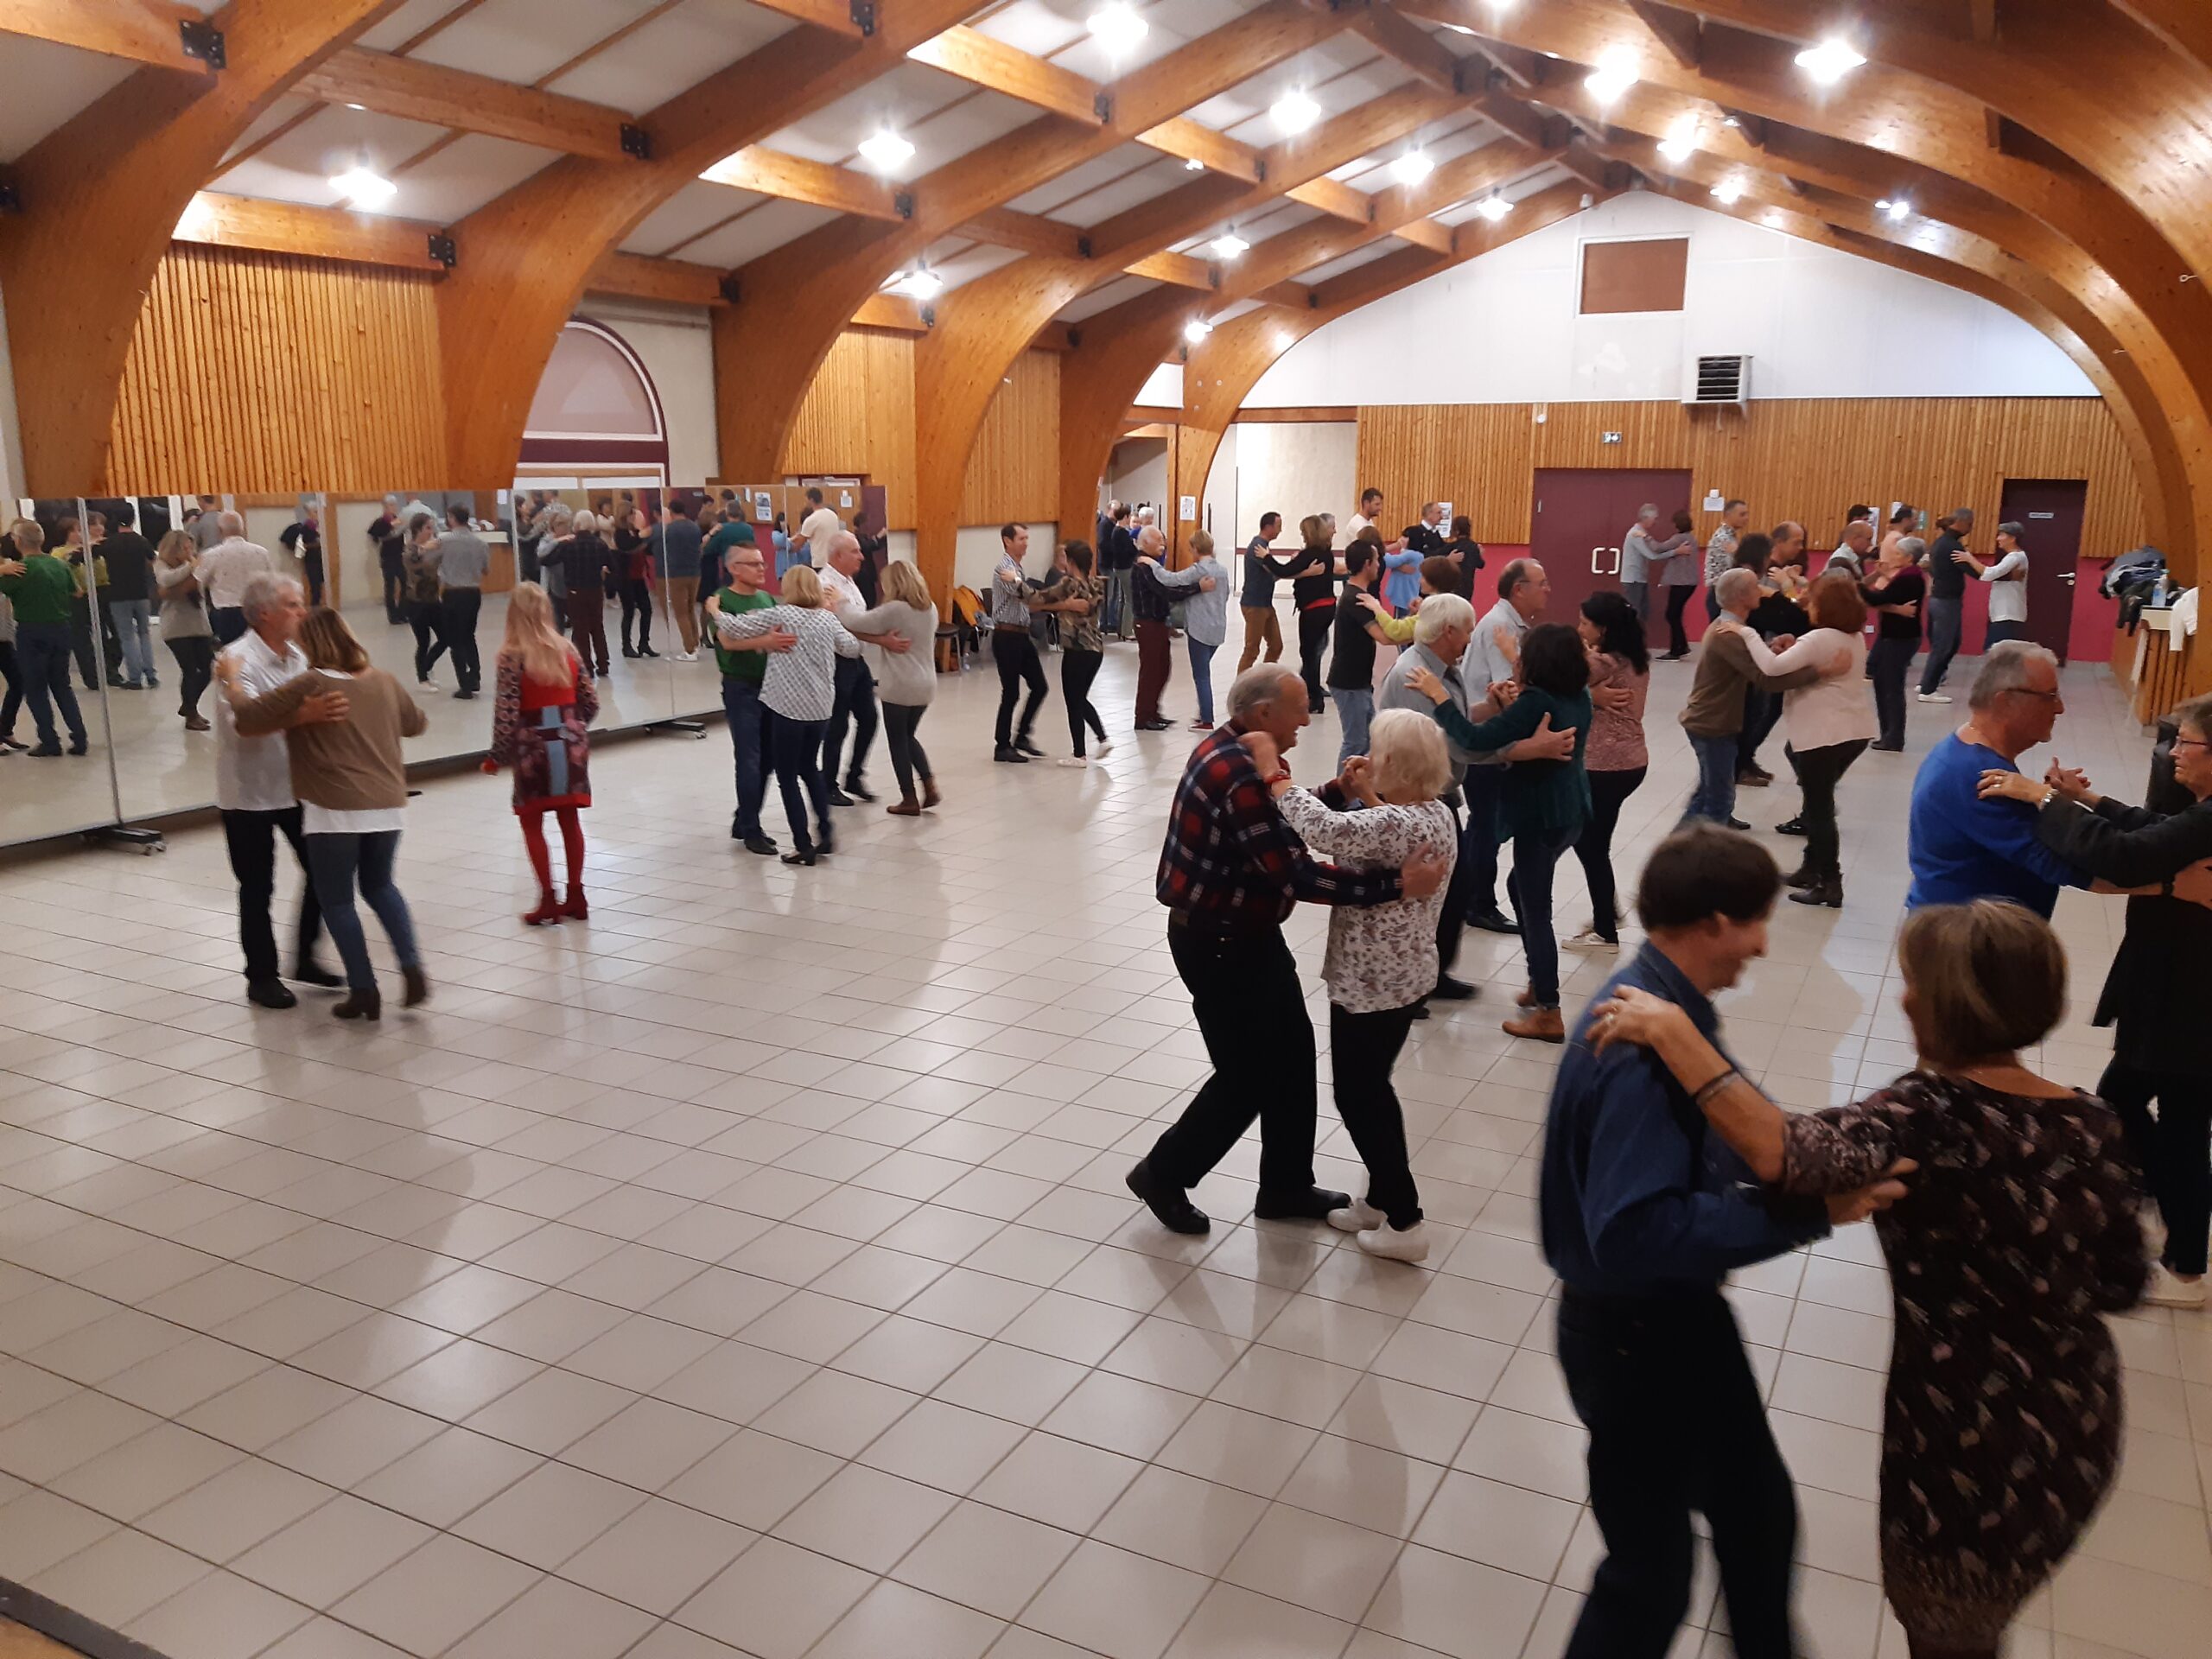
[(844, 553), (1149, 540)]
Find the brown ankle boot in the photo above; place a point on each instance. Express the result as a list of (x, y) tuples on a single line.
[(904, 807), (418, 987), (930, 796), (1543, 1025)]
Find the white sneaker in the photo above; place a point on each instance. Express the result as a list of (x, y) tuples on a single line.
[(1411, 1245), (2166, 1289), (1932, 697), (427, 685), (1103, 749), (1591, 939), (1070, 760), (687, 656), (1355, 1218)]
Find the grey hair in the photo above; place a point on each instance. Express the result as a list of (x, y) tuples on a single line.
[(1912, 547), (1438, 614), (230, 523), (1649, 511), (264, 592), (1258, 686), (2004, 668), (558, 514), (585, 523), (1146, 515), (2013, 528), (1736, 583), (843, 542), (1151, 540)]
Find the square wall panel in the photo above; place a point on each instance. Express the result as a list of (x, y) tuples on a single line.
[(524, 40), (673, 53)]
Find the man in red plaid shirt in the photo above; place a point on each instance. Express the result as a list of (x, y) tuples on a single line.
[(1230, 873)]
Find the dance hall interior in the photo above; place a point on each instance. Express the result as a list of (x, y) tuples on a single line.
[(1105, 829)]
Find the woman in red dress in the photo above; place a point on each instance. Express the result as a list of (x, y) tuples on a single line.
[(546, 699)]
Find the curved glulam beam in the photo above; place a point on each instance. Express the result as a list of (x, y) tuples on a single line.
[(101, 194), (2184, 25)]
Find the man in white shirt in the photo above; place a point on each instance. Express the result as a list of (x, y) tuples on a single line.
[(224, 570), (820, 527), (2008, 590), (855, 709), (1371, 510), (253, 784), (1494, 656), (1636, 557)]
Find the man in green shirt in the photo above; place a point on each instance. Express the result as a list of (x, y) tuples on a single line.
[(744, 665), (41, 588)]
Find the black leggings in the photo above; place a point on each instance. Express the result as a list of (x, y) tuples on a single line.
[(195, 667), (1678, 600), (428, 616), (1362, 1048), (1313, 627), (1078, 669), (12, 703), (638, 607), (2175, 1151), (798, 748), (899, 720), (1819, 771), (1608, 792)]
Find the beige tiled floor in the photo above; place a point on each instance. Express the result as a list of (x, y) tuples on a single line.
[(749, 1270)]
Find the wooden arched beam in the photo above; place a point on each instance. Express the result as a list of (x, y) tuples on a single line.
[(100, 195), (2184, 25)]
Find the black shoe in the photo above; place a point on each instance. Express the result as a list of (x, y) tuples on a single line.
[(1314, 707), (44, 751), (1170, 1205), (760, 844), (1803, 876), (630, 654), (361, 1005), (859, 791), (464, 697), (81, 747), (1492, 920), (311, 972), (1311, 1204), (1420, 1010), (1675, 657), (1827, 892), (1886, 748), (1027, 747), (805, 855), (1791, 827), (1007, 755), (1738, 823), (1454, 990), (647, 651), (418, 987), (1155, 725), (270, 993), (838, 797)]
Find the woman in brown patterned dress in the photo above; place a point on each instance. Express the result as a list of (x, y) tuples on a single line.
[(2017, 1233), (545, 702)]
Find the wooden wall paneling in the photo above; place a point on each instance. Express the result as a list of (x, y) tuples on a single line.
[(858, 416), (1014, 465)]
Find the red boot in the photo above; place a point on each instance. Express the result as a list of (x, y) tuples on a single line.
[(548, 912), (575, 909)]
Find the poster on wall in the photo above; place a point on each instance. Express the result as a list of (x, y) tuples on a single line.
[(763, 508), (1188, 509)]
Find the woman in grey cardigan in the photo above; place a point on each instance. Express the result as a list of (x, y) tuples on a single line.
[(1206, 614), (906, 679), (185, 628)]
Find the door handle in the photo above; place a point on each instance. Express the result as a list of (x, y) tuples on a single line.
[(1616, 570), (1595, 554)]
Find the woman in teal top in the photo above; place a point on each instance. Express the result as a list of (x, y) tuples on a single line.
[(1544, 804)]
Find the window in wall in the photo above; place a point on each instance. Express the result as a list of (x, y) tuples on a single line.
[(1646, 274)]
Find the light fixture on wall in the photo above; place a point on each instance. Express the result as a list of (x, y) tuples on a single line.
[(1118, 28), (1615, 74), (1229, 246), (1680, 142), (1412, 166), (364, 187), (1729, 191), (884, 150), (1294, 112), (1898, 211), (1830, 61), (920, 284), (1493, 207), (1196, 330)]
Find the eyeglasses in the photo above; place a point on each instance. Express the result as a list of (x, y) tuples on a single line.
[(2192, 743), (2029, 691)]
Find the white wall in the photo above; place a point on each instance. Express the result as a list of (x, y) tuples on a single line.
[(1218, 506), (1293, 468), (976, 555), (1137, 472), (1817, 323), (1164, 389), (677, 345)]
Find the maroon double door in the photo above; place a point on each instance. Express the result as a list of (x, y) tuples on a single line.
[(2050, 511), (1578, 518)]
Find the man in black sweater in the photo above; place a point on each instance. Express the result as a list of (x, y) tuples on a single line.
[(1947, 600)]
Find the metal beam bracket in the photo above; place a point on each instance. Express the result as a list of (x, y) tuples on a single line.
[(1083, 247), (12, 199), (637, 142), (442, 250), (929, 316), (203, 40), (733, 291), (904, 202), (864, 16), (1075, 338), (1260, 169), (1101, 105)]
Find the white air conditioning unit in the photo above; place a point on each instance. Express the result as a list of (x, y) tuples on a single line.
[(1720, 380)]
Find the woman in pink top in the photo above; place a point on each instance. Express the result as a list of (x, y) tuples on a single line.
[(1615, 758)]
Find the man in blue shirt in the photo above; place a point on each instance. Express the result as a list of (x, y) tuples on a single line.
[(1961, 846), (1643, 1215)]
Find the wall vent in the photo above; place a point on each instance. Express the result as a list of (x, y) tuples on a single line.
[(1716, 380)]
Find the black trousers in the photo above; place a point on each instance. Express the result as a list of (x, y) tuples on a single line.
[(252, 840), (1676, 1425), (1483, 788), (1819, 771), (796, 745), (392, 568), (1251, 1011), (2175, 1150), (11, 704), (854, 709), (1362, 1048), (428, 616), (1078, 669), (1762, 714), (638, 610), (1609, 791), (1451, 920), (1313, 627), (1890, 661), (458, 616), (907, 758), (80, 643), (196, 665), (1678, 600), (1016, 656)]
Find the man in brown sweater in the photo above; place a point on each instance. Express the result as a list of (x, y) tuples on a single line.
[(1713, 716)]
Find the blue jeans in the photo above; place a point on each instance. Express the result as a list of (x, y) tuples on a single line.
[(1714, 797), (1355, 712), (1202, 674), (749, 719), (1530, 885), (133, 621), (335, 863), (42, 651)]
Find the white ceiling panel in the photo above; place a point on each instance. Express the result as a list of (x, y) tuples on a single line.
[(406, 22), (762, 231), (1253, 227), (46, 85), (1170, 24), (1315, 71), (1442, 140), (1106, 295), (1101, 170), (687, 212), (527, 40), (674, 52), (967, 125), (1541, 178), (283, 109), (1040, 27), (948, 247), (1125, 193), (1336, 96), (900, 99), (1231, 313), (976, 262), (464, 176), (299, 166), (1352, 261)]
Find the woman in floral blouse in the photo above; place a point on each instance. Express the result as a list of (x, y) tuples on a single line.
[(1077, 594), (1382, 959), (2017, 1233)]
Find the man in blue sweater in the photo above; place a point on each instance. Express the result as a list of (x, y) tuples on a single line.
[(1643, 1215)]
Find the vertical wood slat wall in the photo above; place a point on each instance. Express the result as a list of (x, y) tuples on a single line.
[(267, 373), (1013, 470), (858, 416), (1808, 459)]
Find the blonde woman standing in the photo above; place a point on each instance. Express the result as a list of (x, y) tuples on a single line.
[(185, 628), (800, 688), (545, 703), (906, 681)]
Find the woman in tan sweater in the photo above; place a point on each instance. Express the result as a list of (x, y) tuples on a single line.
[(352, 785)]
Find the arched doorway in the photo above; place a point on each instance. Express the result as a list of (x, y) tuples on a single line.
[(597, 416)]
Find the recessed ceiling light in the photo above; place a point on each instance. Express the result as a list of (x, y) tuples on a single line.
[(1729, 191), (1459, 28), (1730, 120), (1118, 28), (357, 106), (1412, 166), (1294, 112), (1493, 207), (1196, 330), (884, 150), (1829, 61), (364, 188), (920, 284), (1898, 211), (1194, 165), (1229, 246), (1615, 74), (1680, 142)]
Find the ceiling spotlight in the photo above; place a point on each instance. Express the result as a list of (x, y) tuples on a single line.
[(1680, 142), (1897, 211), (364, 187), (1459, 28), (1194, 165), (1615, 74), (1294, 112), (1493, 207), (885, 150), (1196, 330), (1118, 29), (1829, 61), (920, 284), (1229, 246), (1728, 192), (1412, 166)]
